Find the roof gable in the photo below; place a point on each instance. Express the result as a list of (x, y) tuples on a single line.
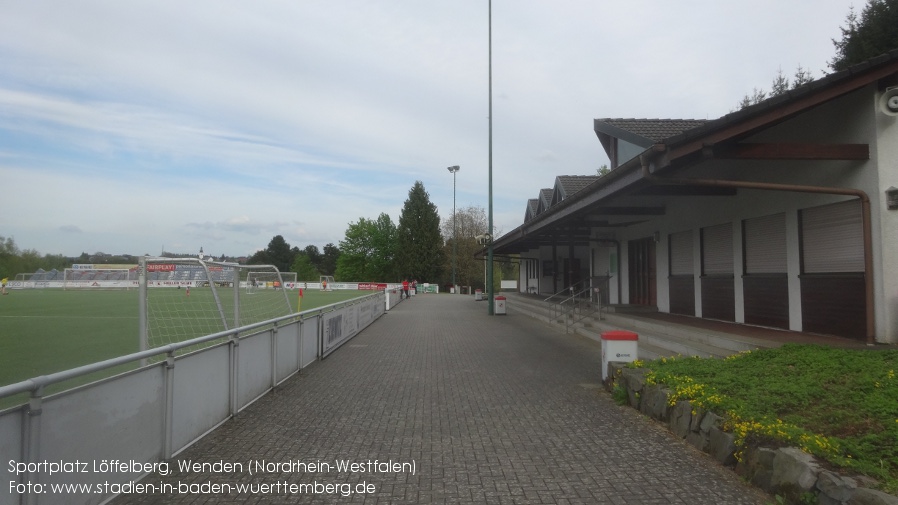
[(532, 207), (545, 200), (567, 185), (623, 139)]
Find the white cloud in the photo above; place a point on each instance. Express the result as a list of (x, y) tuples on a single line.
[(145, 124)]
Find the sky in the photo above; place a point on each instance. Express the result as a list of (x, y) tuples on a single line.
[(142, 126)]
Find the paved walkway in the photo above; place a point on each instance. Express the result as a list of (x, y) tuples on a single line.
[(487, 409)]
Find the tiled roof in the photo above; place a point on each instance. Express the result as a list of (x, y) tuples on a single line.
[(654, 130), (532, 205), (570, 184)]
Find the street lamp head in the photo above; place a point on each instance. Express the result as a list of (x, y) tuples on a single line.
[(453, 168)]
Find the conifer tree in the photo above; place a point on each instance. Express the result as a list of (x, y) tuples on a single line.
[(420, 254), (873, 34)]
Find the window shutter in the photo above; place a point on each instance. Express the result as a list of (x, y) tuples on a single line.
[(717, 249), (765, 244), (681, 253), (832, 238)]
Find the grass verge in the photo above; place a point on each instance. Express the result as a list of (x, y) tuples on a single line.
[(840, 405)]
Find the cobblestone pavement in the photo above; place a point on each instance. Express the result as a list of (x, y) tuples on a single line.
[(485, 409)]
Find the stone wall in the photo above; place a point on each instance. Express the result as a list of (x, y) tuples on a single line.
[(788, 472)]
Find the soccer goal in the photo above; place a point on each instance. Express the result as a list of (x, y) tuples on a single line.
[(258, 280), (99, 278), (326, 282), (185, 298)]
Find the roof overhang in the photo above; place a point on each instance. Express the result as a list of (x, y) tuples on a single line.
[(577, 219)]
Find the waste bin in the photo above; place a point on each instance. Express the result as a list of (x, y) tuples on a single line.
[(499, 305), (618, 345), (478, 295)]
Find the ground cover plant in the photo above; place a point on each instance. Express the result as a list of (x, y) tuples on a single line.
[(43, 331), (838, 404)]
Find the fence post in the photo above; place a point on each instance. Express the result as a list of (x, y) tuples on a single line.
[(301, 344), (274, 355), (169, 406), (32, 440), (234, 346)]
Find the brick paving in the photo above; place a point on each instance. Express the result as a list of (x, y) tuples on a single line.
[(488, 409)]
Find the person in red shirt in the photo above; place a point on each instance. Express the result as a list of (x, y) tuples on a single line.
[(405, 287)]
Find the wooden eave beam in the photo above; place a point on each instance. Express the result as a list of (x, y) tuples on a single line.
[(628, 211), (793, 151), (662, 190)]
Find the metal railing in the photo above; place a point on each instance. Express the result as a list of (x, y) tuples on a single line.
[(574, 304), (151, 413)]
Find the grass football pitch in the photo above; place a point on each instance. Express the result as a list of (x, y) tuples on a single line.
[(43, 331)]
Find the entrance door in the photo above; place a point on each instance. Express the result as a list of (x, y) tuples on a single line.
[(641, 260), (572, 274)]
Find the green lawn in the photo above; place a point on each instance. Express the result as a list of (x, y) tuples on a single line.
[(839, 404), (49, 330)]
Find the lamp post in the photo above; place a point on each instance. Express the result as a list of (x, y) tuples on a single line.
[(454, 169)]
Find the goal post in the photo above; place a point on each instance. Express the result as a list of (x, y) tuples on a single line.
[(185, 298), (326, 282), (264, 279)]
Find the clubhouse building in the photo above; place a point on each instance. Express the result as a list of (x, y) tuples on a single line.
[(783, 214)]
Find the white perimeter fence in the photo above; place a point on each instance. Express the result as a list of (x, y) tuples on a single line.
[(150, 414)]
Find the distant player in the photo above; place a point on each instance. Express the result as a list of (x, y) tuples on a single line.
[(3, 282)]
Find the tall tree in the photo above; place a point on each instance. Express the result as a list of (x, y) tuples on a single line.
[(420, 255), (467, 223), (875, 33), (328, 263), (10, 264), (780, 84), (314, 255), (802, 76), (367, 252), (305, 270), (278, 253)]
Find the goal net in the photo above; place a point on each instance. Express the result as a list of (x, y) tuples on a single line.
[(326, 282), (185, 298), (263, 280), (99, 278)]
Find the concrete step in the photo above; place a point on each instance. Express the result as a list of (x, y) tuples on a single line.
[(656, 338), (652, 346), (680, 332)]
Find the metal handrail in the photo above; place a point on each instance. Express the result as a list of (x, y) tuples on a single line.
[(563, 292), (569, 293), (575, 308)]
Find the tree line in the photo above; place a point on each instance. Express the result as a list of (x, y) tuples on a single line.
[(15, 261), (420, 246)]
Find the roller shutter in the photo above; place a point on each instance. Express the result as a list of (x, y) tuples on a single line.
[(765, 244), (681, 253), (717, 249), (832, 238), (765, 286)]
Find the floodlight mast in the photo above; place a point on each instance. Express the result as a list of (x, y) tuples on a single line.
[(489, 260), (454, 169)]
